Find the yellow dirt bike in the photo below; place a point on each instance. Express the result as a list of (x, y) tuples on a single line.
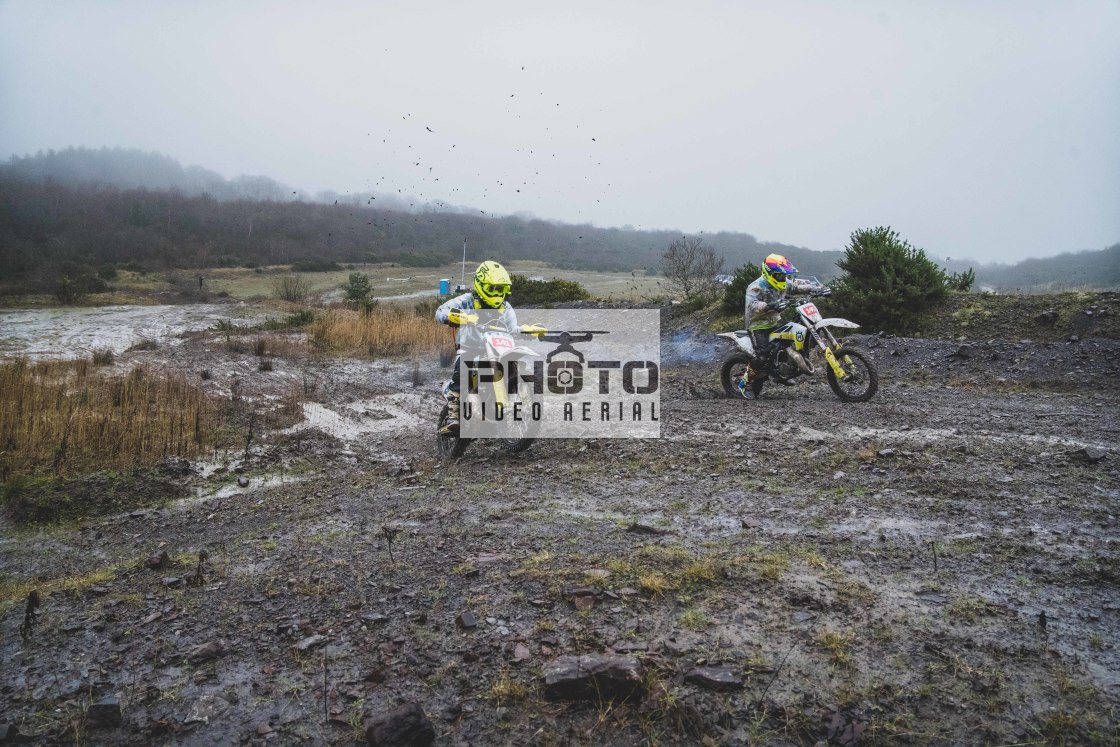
[(791, 353), (487, 394)]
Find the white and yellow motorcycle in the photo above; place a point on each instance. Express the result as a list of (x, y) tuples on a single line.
[(799, 348), (497, 349)]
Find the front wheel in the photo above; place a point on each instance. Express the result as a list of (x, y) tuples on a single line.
[(449, 445), (861, 379), (731, 369), (521, 434)]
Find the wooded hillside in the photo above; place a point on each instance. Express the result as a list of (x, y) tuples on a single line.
[(79, 212), (70, 213)]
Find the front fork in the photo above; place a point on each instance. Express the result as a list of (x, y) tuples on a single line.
[(830, 356), (500, 397)]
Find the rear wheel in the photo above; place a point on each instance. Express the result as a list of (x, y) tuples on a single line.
[(449, 445), (861, 379), (731, 369)]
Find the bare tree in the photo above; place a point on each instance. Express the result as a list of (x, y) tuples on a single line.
[(693, 268), (292, 288)]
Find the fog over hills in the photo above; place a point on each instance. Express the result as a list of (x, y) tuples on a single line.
[(77, 210)]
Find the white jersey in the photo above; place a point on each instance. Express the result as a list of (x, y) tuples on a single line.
[(468, 336), (761, 292)]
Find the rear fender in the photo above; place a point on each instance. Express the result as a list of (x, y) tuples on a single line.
[(741, 339)]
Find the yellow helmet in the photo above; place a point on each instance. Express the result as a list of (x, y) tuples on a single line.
[(491, 284), (776, 269)]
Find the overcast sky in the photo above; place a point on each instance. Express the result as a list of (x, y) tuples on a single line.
[(975, 128)]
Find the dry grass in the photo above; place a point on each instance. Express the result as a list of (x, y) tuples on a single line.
[(17, 590), (768, 566), (654, 584), (386, 331), (63, 416), (505, 689), (838, 646), (280, 346), (968, 608)]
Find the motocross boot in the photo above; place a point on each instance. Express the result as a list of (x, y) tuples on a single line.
[(747, 384), (744, 388), (451, 424)]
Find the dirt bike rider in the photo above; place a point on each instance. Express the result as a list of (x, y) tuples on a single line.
[(491, 286), (765, 300)]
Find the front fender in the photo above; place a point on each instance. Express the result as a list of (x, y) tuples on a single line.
[(836, 321), (521, 351)]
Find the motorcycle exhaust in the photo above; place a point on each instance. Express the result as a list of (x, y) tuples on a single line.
[(800, 362)]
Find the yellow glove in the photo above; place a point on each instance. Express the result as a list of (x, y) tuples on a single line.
[(534, 329), (458, 316)]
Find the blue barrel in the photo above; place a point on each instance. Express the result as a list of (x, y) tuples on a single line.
[(444, 286)]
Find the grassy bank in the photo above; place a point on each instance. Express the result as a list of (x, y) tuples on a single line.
[(62, 419), (1042, 318), (385, 332), (64, 416)]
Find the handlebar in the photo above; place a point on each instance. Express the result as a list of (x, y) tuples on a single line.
[(810, 294), (807, 296)]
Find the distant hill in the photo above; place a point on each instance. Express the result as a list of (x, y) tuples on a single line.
[(81, 211), (1098, 270), (134, 169), (125, 168)]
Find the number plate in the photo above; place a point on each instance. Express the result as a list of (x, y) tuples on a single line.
[(501, 342), (810, 312)]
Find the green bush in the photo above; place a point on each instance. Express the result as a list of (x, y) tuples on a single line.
[(961, 281), (734, 295), (72, 290), (358, 289), (887, 283), (530, 292), (300, 318), (426, 307)]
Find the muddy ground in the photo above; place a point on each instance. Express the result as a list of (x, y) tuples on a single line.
[(938, 566)]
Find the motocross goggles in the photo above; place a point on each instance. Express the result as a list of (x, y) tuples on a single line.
[(494, 289)]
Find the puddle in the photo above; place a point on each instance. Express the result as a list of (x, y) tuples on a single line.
[(77, 332), (381, 415), (939, 434), (205, 493), (914, 528)]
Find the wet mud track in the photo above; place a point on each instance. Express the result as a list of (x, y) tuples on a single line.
[(939, 565)]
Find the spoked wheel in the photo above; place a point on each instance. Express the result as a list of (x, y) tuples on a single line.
[(733, 368), (522, 433), (516, 445), (450, 446), (861, 379)]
